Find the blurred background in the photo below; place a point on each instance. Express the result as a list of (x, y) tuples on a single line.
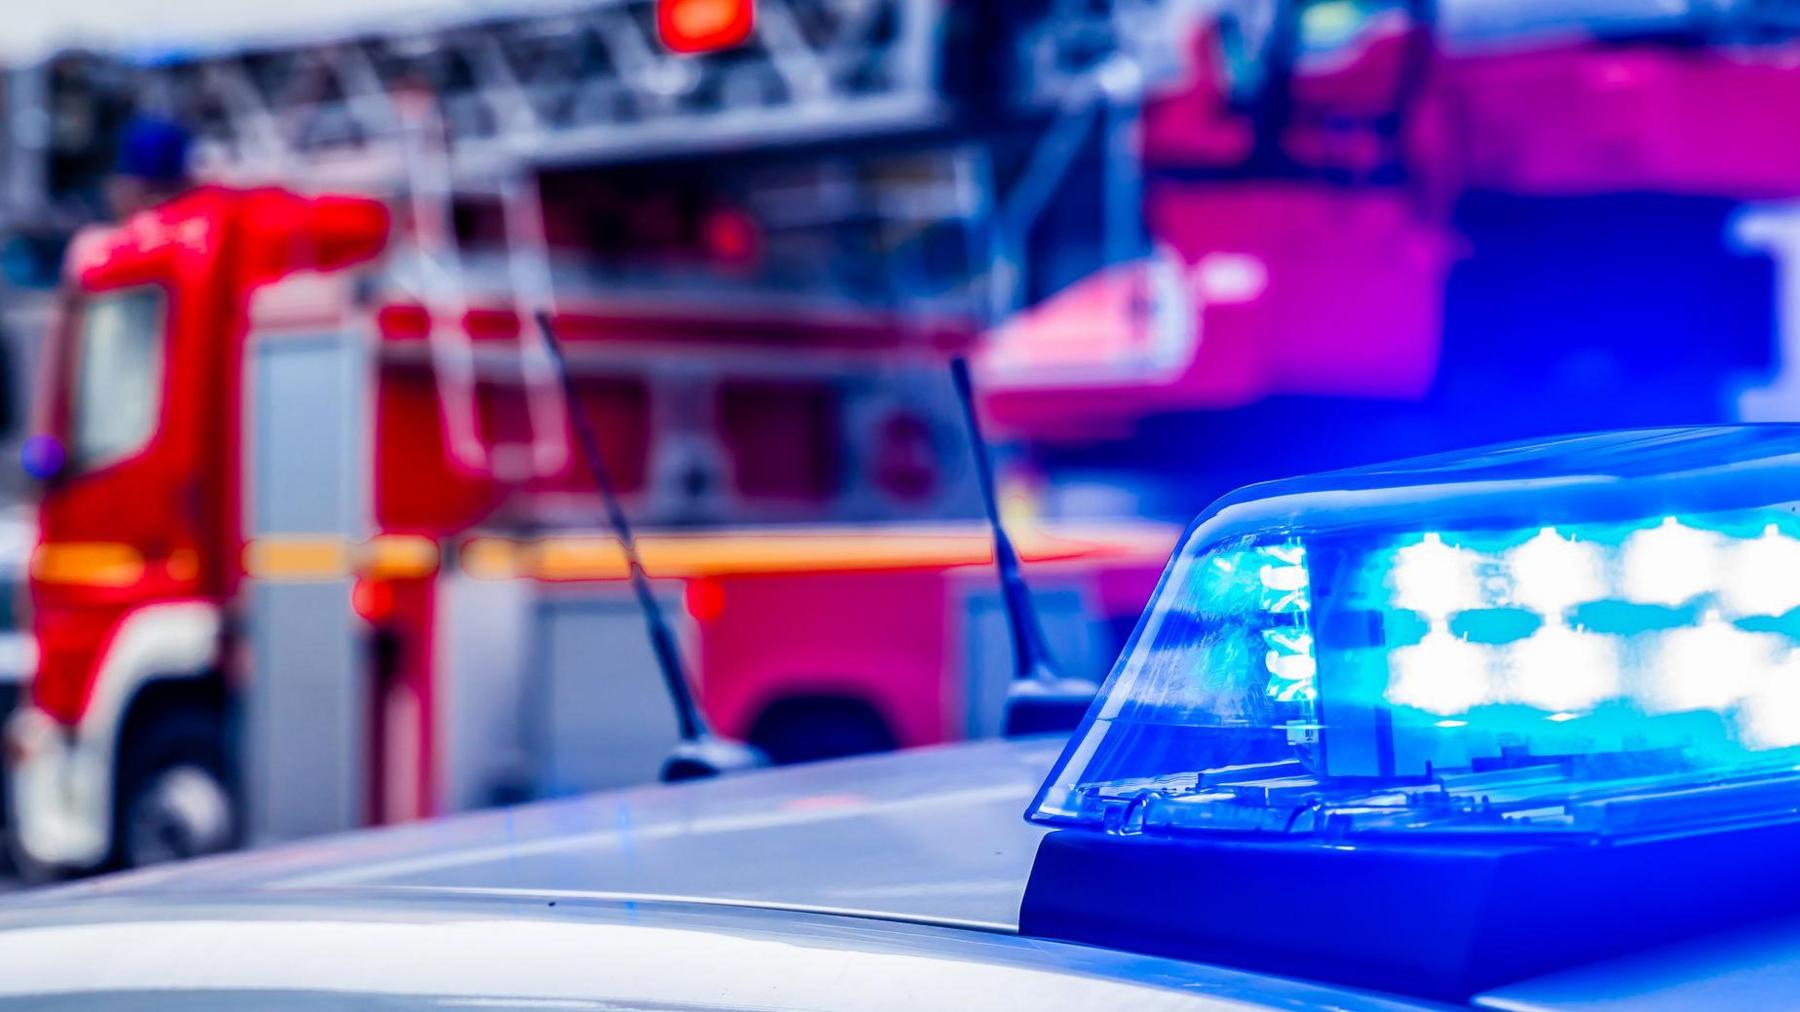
[(301, 539)]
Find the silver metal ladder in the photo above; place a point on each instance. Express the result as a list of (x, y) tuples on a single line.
[(431, 195)]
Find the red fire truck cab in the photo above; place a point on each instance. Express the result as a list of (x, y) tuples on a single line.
[(315, 553)]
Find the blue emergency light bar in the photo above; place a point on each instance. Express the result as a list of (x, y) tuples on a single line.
[(1426, 691)]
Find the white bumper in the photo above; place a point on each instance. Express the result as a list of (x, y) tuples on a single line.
[(60, 779), (60, 791)]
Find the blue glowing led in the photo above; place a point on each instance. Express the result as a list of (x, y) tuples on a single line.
[(42, 456), (1588, 637)]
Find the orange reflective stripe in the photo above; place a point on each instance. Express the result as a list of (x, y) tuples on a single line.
[(87, 563), (594, 557), (399, 557), (298, 558), (303, 557)]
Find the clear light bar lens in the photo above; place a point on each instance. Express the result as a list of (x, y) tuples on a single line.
[(1330, 674)]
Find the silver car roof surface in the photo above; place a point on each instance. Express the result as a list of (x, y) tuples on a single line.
[(934, 835), (719, 894), (415, 950)]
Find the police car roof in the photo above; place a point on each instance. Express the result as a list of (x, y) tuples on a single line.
[(382, 950), (718, 894), (933, 835), (706, 895)]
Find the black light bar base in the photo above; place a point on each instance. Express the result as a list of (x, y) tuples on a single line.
[(1436, 919)]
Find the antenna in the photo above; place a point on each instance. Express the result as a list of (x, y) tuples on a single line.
[(1041, 700), (700, 753)]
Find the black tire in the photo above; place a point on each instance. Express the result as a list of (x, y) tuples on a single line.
[(174, 797), (813, 729), (24, 867)]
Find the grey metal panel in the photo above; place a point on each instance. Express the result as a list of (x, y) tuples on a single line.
[(483, 743), (305, 407), (1075, 644), (601, 716), (305, 739), (305, 749)]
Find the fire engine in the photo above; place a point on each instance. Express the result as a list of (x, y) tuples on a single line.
[(314, 550), (1312, 176), (1411, 218), (320, 544)]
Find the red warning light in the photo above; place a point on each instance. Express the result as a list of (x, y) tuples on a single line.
[(373, 600), (705, 599), (701, 26)]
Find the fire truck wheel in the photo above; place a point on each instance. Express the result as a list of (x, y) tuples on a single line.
[(810, 729), (174, 798), (29, 870)]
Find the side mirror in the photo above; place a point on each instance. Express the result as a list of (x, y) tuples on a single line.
[(43, 457)]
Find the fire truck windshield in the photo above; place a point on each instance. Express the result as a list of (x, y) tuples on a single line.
[(117, 374)]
